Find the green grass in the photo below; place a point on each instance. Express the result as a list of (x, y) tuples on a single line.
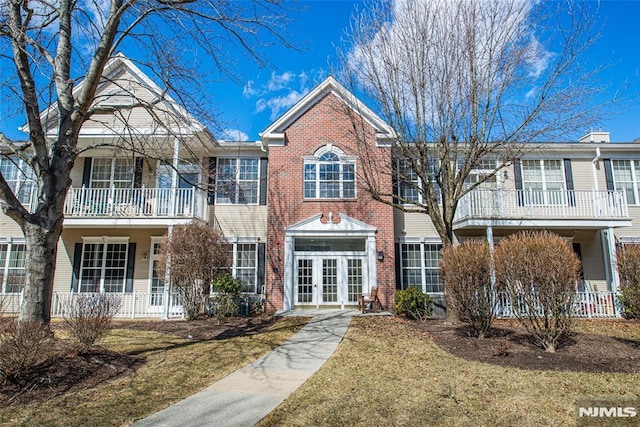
[(174, 369), (382, 374)]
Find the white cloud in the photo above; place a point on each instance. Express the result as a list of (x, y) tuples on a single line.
[(281, 91), (233, 135)]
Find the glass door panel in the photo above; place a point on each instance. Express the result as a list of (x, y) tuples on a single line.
[(304, 286), (329, 280)]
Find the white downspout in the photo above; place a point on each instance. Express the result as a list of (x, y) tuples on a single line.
[(594, 165)]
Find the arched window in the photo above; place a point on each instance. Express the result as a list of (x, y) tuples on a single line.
[(329, 174)]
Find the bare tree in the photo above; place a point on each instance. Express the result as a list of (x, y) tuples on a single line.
[(58, 52), (465, 82), (192, 257)]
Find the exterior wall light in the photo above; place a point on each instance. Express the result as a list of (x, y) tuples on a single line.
[(380, 256)]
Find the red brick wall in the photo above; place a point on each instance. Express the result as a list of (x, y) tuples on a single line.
[(322, 124)]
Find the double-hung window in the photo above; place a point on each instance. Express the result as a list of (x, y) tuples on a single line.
[(410, 182), (104, 266), (420, 263), (543, 182), (12, 266), (329, 174), (244, 265), (625, 177), (19, 176), (237, 181), (112, 173)]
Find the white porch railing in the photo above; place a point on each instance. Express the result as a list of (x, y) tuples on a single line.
[(587, 304), (133, 306), (134, 202), (539, 204)]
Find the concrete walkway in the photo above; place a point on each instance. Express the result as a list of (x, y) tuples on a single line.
[(247, 395)]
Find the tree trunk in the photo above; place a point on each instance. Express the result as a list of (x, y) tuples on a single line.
[(42, 248)]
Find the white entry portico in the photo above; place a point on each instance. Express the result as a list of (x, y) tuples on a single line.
[(328, 262)]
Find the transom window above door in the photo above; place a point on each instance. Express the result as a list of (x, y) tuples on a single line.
[(329, 174)]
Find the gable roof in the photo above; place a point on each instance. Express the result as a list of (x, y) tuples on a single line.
[(274, 134), (119, 65)]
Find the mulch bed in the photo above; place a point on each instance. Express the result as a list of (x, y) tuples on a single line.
[(509, 345), (67, 369)]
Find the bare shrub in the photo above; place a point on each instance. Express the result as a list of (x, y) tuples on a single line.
[(192, 256), (466, 271), (629, 270), (88, 317), (22, 346), (539, 271)]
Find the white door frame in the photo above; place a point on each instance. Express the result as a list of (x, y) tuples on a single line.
[(318, 227)]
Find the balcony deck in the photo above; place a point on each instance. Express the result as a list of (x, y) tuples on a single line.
[(562, 208), (133, 206)]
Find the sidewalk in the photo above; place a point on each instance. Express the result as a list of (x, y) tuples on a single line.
[(247, 395)]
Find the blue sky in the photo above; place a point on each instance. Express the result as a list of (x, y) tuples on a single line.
[(266, 93)]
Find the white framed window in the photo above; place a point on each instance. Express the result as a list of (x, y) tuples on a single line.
[(543, 182), (420, 266), (237, 181), (19, 176), (103, 266), (112, 172), (410, 183), (329, 174), (482, 171), (13, 255), (625, 177), (244, 265)]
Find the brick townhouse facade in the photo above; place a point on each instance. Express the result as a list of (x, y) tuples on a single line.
[(301, 231)]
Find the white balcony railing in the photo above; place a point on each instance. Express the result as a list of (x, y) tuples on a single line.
[(134, 305), (540, 204), (134, 202)]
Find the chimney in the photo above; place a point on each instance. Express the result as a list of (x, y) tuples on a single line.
[(595, 137)]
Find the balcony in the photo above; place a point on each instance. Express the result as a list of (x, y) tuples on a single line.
[(133, 206), (540, 208)]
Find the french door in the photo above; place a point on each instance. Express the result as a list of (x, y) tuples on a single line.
[(329, 280)]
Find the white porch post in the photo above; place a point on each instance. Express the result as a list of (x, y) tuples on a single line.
[(372, 259), (613, 267), (288, 274), (166, 295), (175, 162)]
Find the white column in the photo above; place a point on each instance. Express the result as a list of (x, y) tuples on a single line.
[(372, 262), (167, 274), (491, 266), (289, 286), (613, 266)]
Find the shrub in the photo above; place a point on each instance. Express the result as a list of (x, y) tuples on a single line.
[(87, 317), (192, 256), (23, 345), (466, 271), (414, 304), (226, 300), (539, 271), (629, 270)]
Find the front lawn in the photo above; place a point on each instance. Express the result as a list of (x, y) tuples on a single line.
[(389, 371)]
